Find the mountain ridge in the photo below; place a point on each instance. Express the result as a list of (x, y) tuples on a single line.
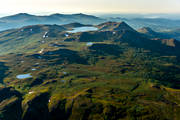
[(158, 24), (115, 26), (117, 73), (24, 19), (108, 30)]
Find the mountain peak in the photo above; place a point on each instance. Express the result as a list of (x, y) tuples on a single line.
[(123, 26), (17, 16), (115, 26), (146, 30), (151, 33), (57, 14), (79, 14), (22, 14)]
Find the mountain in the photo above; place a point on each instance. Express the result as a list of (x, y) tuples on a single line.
[(114, 26), (173, 34), (20, 16), (163, 35), (24, 19), (73, 25), (27, 38), (157, 24), (149, 32), (111, 72)]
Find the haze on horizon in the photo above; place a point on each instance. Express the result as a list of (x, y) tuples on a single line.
[(89, 6)]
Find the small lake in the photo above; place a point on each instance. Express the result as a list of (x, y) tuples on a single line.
[(24, 76), (89, 44), (82, 29), (62, 81)]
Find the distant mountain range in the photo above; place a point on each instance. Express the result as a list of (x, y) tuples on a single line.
[(153, 34), (24, 19)]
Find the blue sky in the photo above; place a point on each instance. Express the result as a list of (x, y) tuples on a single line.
[(90, 6)]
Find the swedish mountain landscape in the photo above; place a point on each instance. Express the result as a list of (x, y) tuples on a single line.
[(87, 67)]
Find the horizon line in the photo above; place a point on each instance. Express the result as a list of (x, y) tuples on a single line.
[(87, 13)]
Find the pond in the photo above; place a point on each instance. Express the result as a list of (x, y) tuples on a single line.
[(62, 81), (24, 76), (83, 29), (64, 73), (89, 44)]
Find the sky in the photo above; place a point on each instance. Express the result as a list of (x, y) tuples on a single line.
[(89, 6)]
